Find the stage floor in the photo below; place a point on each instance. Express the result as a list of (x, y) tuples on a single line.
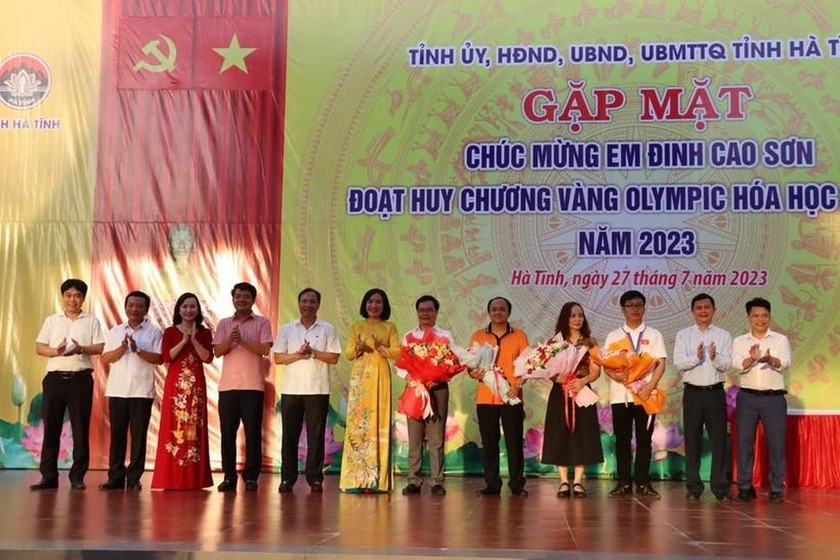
[(208, 524)]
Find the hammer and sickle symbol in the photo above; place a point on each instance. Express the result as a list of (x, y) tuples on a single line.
[(165, 62)]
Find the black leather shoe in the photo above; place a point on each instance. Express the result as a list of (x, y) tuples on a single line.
[(776, 498), (722, 496), (284, 487), (226, 486), (251, 485), (411, 489), (112, 485), (44, 485), (134, 486), (621, 491), (489, 491), (522, 493), (317, 488), (438, 490), (693, 496), (647, 491), (746, 494), (77, 486)]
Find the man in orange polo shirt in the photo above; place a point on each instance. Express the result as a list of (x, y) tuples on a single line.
[(493, 408)]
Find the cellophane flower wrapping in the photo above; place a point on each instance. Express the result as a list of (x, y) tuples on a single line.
[(621, 356), (483, 356), (552, 358), (428, 360)]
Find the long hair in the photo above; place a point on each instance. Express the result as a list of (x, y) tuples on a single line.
[(562, 325), (386, 305), (176, 317)]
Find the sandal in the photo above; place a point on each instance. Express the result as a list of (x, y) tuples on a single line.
[(578, 490), (564, 491)]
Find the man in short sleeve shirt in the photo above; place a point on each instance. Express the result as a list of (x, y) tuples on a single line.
[(68, 340), (628, 417), (132, 350), (763, 358), (308, 347), (244, 340)]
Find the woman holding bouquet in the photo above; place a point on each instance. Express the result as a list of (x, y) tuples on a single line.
[(504, 404), (572, 435), (366, 461)]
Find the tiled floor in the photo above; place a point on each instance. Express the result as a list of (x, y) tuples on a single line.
[(204, 524)]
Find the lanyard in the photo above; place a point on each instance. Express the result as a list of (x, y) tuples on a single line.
[(638, 343)]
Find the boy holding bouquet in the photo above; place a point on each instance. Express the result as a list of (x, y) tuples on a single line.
[(645, 345)]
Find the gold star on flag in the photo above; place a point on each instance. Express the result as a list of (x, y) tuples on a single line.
[(234, 55)]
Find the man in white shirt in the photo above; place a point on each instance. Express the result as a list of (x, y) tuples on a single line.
[(433, 429), (68, 340), (628, 417), (308, 347), (763, 356), (703, 355), (132, 350)]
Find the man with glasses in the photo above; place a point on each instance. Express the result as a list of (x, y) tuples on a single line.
[(629, 417)]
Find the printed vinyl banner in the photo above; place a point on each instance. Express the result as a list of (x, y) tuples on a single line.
[(541, 151)]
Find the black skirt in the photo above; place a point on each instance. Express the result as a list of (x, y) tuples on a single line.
[(562, 447)]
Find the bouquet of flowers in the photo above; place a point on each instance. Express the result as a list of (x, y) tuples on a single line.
[(429, 360), (552, 358), (620, 355), (484, 357)]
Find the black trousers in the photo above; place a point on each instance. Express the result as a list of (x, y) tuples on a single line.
[(245, 407), (128, 416), (512, 418), (704, 407), (73, 392), (296, 409), (627, 419)]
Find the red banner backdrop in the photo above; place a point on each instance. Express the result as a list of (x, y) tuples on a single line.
[(188, 192)]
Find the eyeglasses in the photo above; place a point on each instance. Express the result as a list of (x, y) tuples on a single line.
[(634, 306)]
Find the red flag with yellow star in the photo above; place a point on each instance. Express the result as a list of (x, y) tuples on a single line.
[(190, 164)]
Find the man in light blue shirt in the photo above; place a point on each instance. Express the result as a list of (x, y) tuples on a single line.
[(703, 354)]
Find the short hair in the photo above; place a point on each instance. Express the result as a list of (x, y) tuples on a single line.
[(386, 305), (244, 287), (310, 290), (423, 299), (565, 316), (757, 302), (138, 294), (701, 297), (506, 300), (176, 317), (74, 283), (631, 294)]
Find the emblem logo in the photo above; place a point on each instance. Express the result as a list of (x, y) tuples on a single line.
[(25, 81), (164, 62)]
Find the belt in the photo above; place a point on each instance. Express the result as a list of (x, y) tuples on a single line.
[(64, 374), (712, 387), (441, 385), (765, 393)]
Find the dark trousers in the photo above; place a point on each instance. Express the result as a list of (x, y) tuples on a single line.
[(433, 430), (246, 407), (74, 393), (627, 419), (513, 420), (128, 415), (772, 411), (704, 407), (295, 410)]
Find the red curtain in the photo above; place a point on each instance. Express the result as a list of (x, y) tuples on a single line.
[(812, 448)]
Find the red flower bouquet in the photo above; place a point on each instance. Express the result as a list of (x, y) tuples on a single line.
[(429, 360)]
